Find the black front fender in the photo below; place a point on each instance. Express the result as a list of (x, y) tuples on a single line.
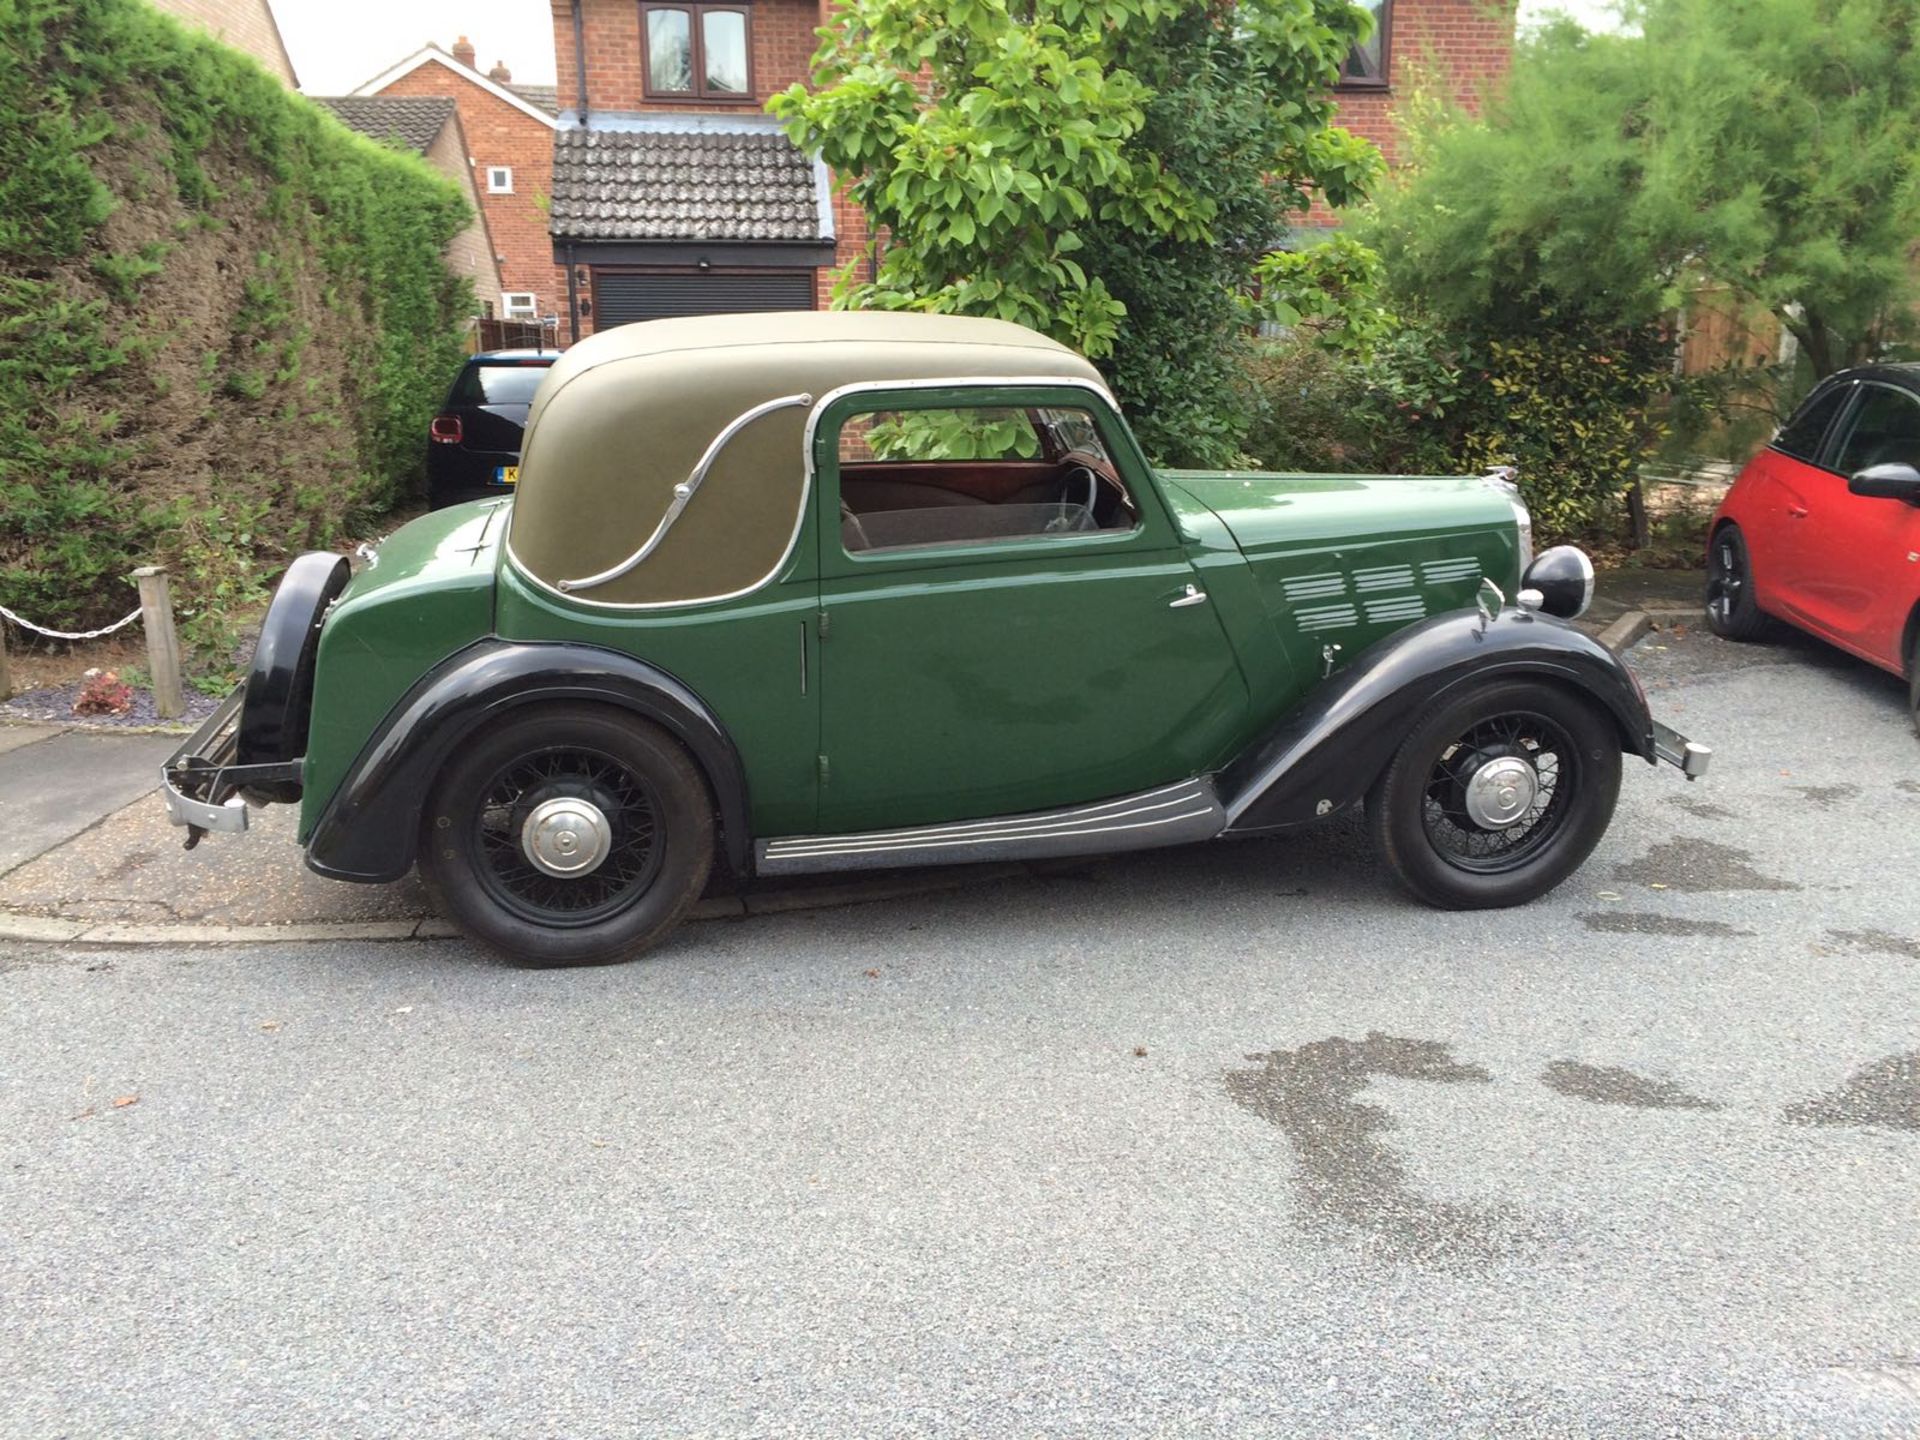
[(371, 825), (1326, 754)]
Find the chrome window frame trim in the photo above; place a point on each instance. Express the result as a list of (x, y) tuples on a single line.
[(956, 382)]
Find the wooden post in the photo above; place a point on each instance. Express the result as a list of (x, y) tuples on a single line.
[(163, 645), (6, 666)]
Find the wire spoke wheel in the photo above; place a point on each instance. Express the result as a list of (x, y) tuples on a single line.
[(1498, 795), (1491, 801), (567, 836)]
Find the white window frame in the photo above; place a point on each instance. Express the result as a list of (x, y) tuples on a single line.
[(499, 179), (511, 307)]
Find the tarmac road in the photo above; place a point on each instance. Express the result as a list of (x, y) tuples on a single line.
[(1226, 1141)]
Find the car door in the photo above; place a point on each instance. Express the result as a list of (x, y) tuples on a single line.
[(1788, 480), (1859, 580), (1008, 619)]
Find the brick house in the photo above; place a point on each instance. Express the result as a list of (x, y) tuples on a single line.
[(429, 125), (244, 25), (674, 192), (508, 130)]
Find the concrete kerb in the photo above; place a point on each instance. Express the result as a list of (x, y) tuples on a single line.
[(58, 930)]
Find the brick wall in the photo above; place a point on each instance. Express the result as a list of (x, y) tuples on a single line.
[(780, 37), (1468, 43), (246, 25), (499, 134), (470, 253)]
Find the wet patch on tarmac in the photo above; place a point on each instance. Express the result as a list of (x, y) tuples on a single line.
[(1627, 922), (1878, 942), (1885, 1093), (1616, 1085), (1350, 1185), (1699, 866), (1701, 809), (1827, 796)]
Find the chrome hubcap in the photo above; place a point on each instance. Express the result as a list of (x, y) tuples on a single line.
[(567, 836), (1501, 792)]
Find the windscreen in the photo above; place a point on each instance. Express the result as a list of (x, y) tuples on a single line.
[(499, 384)]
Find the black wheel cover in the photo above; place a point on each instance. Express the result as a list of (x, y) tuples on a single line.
[(279, 703)]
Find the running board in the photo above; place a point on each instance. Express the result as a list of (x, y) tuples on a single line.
[(1170, 815)]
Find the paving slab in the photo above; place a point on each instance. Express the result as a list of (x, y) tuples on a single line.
[(13, 737), (52, 790), (133, 869)]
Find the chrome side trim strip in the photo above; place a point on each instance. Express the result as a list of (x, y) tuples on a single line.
[(1171, 815), (684, 491)]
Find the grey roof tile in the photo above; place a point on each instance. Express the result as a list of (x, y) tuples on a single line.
[(666, 185), (415, 121), (541, 97)]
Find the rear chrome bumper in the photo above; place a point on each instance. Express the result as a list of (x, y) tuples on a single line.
[(1689, 757), (201, 783)]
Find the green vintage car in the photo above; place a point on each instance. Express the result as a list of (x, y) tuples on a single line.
[(794, 593)]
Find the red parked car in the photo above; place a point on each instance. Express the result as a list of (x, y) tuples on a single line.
[(1822, 529)]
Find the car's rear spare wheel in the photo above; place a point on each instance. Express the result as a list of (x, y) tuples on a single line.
[(279, 702), (568, 835), (1498, 796)]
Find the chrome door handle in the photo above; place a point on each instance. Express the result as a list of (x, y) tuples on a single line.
[(1194, 596)]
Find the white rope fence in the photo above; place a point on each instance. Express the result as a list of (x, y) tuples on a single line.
[(125, 620), (163, 644)]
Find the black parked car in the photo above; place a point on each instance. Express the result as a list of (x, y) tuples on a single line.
[(473, 445)]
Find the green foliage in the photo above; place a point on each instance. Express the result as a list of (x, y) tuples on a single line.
[(1574, 407), (1768, 145), (116, 125), (1105, 171), (985, 434), (1334, 290)]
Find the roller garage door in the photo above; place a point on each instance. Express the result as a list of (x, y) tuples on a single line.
[(621, 297)]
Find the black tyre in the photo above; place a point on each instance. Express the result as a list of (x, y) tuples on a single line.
[(1732, 611), (1497, 796), (574, 835), (1913, 680)]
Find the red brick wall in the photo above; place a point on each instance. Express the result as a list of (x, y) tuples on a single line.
[(499, 134), (780, 35), (1466, 44), (1469, 43)]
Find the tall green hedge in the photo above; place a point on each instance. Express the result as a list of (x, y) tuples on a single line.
[(224, 318)]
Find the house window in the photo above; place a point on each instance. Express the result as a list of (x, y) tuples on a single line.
[(1366, 66), (499, 179), (518, 305), (697, 52)]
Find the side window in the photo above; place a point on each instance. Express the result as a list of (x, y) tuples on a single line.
[(1884, 430), (1800, 437), (912, 479)]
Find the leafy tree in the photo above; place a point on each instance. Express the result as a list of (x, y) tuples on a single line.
[(1770, 145), (1105, 171)]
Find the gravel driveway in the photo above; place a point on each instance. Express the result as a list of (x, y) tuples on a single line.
[(1226, 1141)]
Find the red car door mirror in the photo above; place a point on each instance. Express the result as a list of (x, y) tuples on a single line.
[(1894, 481)]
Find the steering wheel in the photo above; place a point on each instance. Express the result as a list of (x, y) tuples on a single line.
[(1076, 474), (853, 535)]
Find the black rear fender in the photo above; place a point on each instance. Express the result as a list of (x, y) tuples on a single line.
[(371, 825), (1325, 755)]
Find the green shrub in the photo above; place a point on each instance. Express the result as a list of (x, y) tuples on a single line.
[(318, 359), (1574, 408)]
